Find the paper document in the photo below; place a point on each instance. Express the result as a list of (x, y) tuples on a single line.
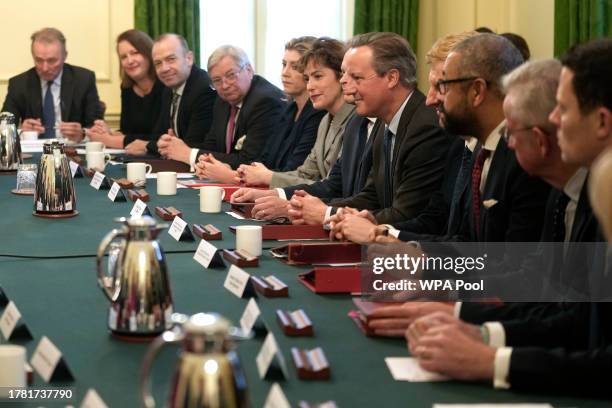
[(408, 369)]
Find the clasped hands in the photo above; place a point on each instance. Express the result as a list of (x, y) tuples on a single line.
[(207, 167), (70, 130)]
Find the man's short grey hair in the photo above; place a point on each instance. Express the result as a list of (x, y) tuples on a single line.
[(236, 53), (533, 87), (182, 41), (487, 56), (389, 51)]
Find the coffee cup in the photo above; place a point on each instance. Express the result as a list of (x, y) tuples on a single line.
[(137, 172), (94, 147), (166, 183), (248, 239), (12, 374), (97, 160), (211, 198)]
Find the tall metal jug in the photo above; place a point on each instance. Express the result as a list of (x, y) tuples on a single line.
[(208, 373), (137, 284), (54, 185), (10, 148)]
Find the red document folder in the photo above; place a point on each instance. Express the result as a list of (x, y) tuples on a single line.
[(310, 253), (332, 279)]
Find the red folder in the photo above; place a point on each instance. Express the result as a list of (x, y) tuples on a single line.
[(244, 209), (288, 231), (332, 279), (309, 253)]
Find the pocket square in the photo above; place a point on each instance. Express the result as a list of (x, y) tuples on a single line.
[(240, 142), (489, 203)]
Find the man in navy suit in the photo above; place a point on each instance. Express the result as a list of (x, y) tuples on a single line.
[(53, 94)]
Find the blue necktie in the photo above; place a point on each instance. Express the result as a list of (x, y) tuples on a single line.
[(464, 174), (387, 145), (49, 113)]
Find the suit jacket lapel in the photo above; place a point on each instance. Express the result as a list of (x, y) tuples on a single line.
[(324, 126), (582, 216), (416, 100), (35, 90), (66, 92)]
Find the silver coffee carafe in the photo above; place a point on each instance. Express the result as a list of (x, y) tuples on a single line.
[(10, 148), (137, 285), (208, 373), (54, 185)]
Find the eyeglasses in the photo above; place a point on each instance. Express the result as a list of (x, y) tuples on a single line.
[(506, 133), (229, 78), (442, 84)]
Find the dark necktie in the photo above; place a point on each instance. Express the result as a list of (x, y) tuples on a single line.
[(231, 125), (463, 175), (476, 175), (49, 113), (173, 109), (387, 146), (558, 224)]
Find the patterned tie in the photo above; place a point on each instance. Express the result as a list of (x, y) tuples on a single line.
[(231, 124), (462, 178), (558, 222), (387, 144), (173, 109), (476, 174), (49, 113)]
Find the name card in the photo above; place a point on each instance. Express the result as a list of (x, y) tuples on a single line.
[(253, 320), (276, 398), (238, 282), (270, 361), (97, 180), (75, 169), (93, 400), (10, 324), (48, 362), (139, 209), (179, 230), (115, 194), (207, 255)]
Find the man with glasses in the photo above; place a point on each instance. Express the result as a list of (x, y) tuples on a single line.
[(247, 111), (186, 110)]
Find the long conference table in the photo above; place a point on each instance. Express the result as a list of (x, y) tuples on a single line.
[(47, 267)]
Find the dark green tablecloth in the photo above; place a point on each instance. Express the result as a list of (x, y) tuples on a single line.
[(60, 299)]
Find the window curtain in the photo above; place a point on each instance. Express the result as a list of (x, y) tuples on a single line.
[(578, 21), (397, 16), (170, 16)]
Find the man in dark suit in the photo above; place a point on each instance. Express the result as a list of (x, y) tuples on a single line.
[(248, 110), (53, 94), (408, 152), (581, 333), (187, 101)]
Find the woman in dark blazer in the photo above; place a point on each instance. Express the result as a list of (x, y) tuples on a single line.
[(140, 93)]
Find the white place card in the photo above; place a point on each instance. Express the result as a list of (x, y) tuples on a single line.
[(408, 369), (265, 357), (177, 228), (236, 281), (46, 358), (97, 180), (276, 398), (74, 168), (249, 316), (205, 253), (93, 400), (9, 320), (112, 193), (139, 208)]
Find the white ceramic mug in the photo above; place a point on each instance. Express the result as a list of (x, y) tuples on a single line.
[(12, 361), (166, 183), (97, 160), (211, 198), (248, 238), (94, 147), (137, 172), (28, 135)]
